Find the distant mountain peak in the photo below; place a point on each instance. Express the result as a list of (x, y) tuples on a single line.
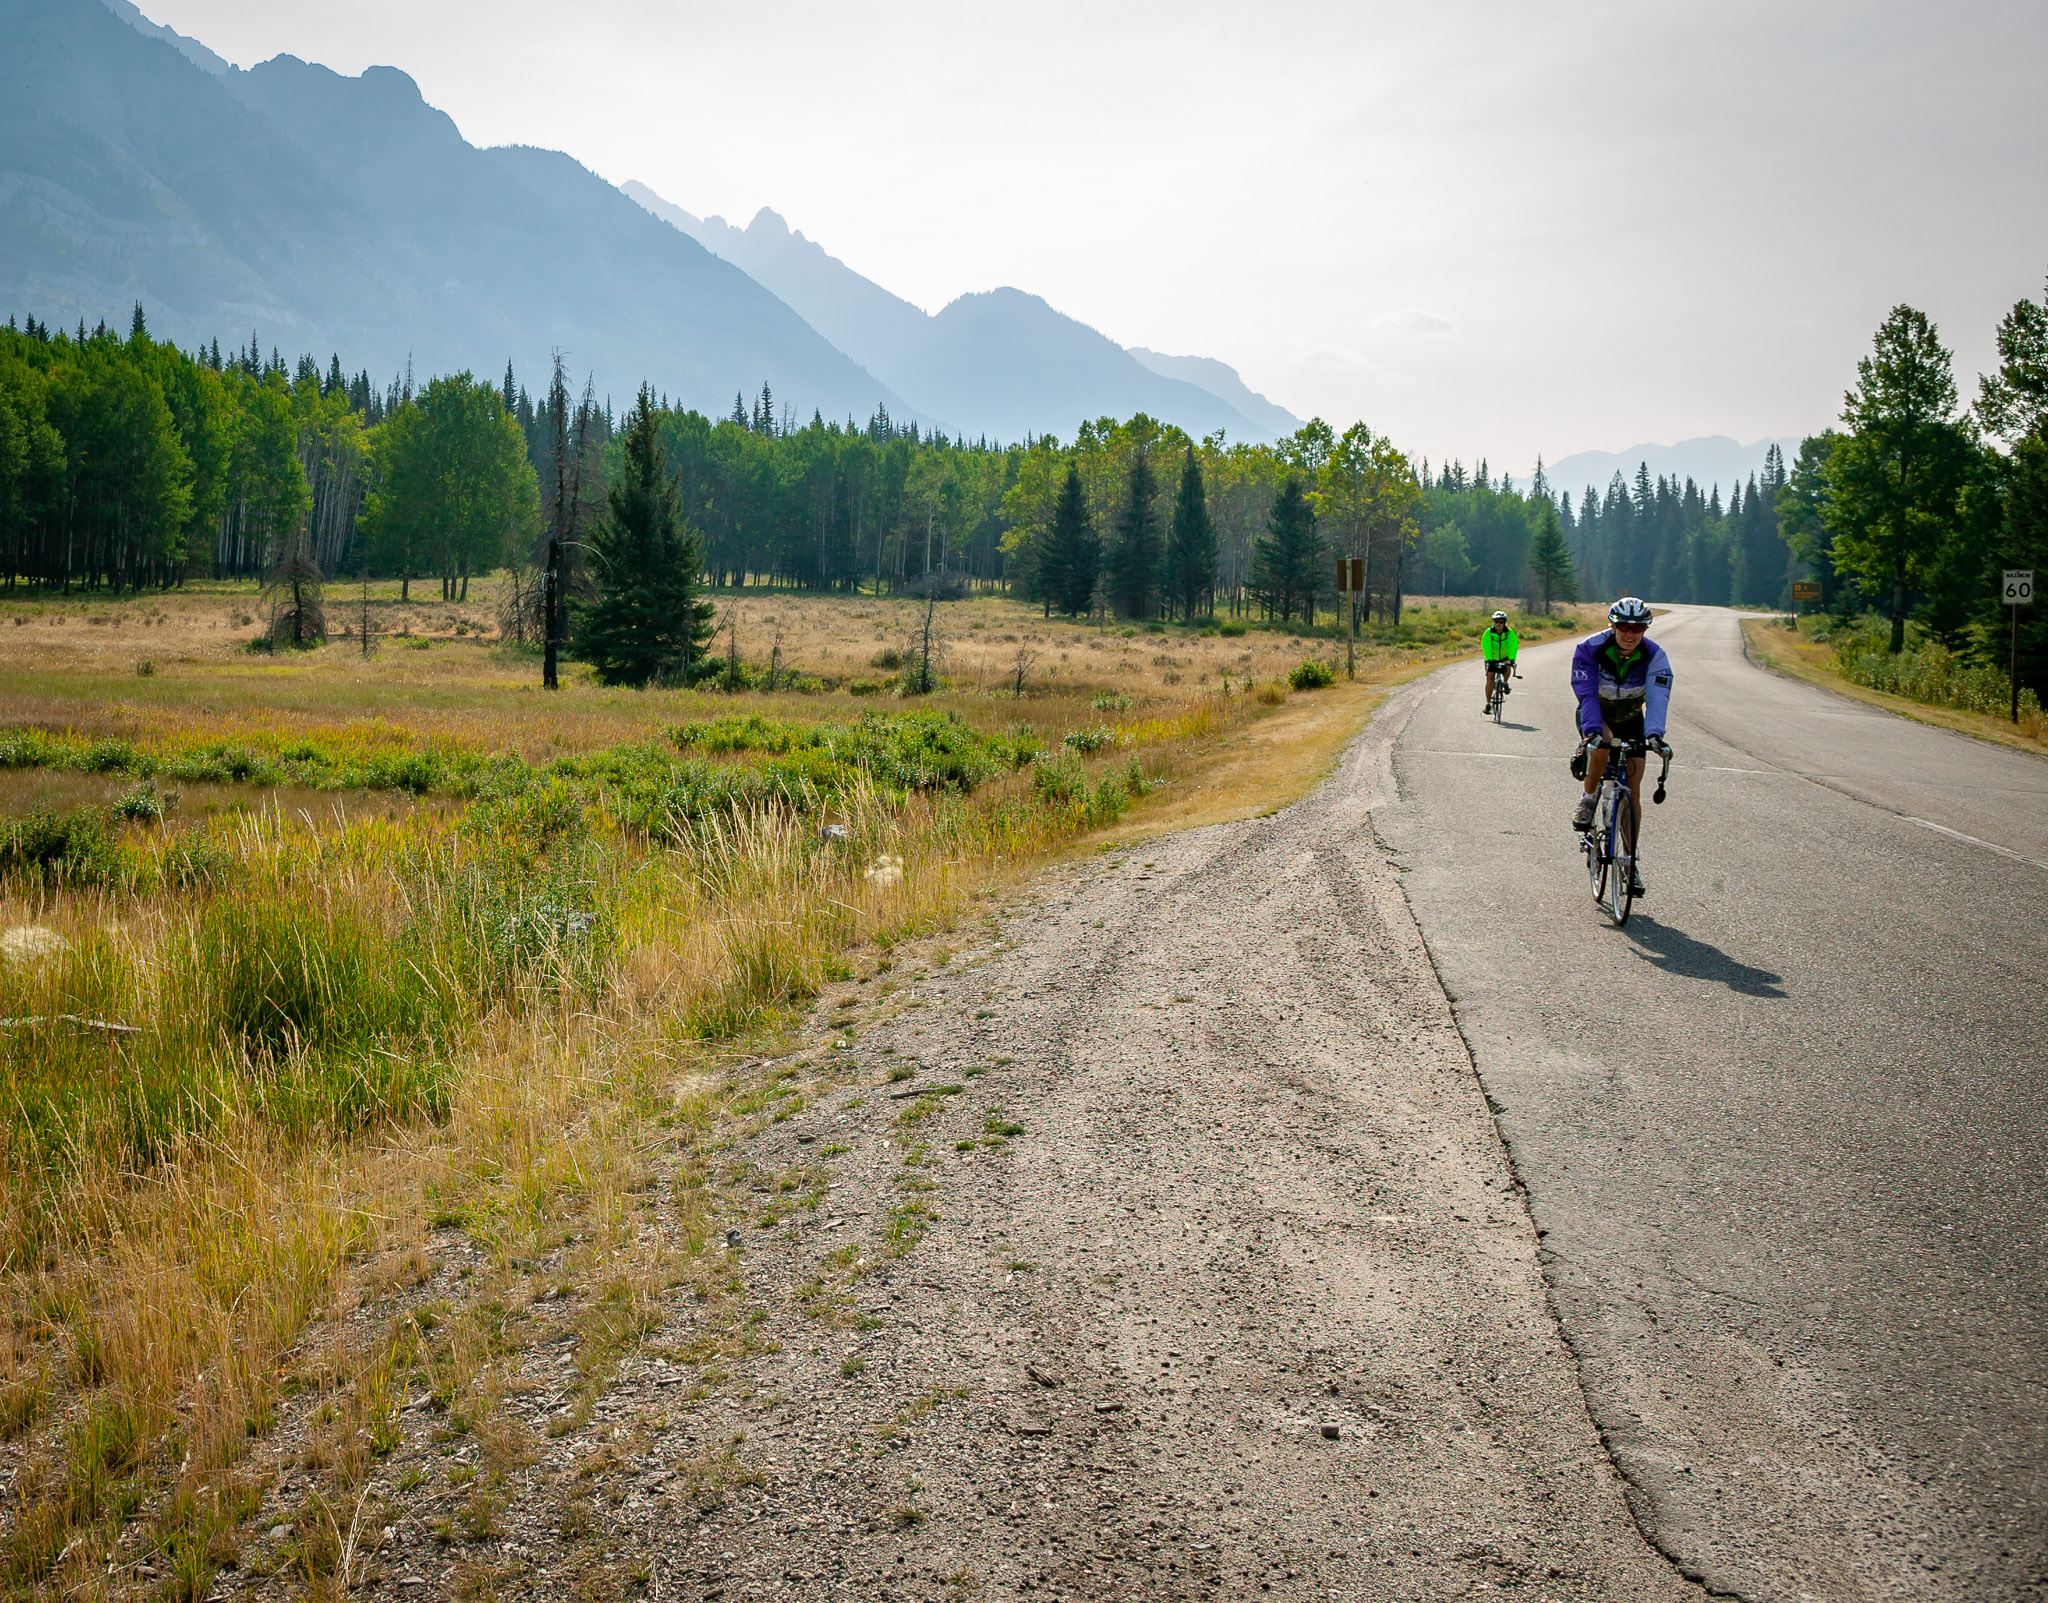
[(191, 49), (1221, 380)]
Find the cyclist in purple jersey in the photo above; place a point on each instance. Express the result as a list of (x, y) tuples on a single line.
[(1622, 680)]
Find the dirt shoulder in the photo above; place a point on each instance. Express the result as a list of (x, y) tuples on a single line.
[(1788, 652), (1183, 1262)]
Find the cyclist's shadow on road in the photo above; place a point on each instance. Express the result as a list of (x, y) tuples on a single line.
[(1678, 953)]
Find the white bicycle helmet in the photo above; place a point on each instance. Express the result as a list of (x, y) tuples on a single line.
[(1500, 617), (1630, 610)]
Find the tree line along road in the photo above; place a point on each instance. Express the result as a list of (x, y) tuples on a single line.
[(1785, 1136)]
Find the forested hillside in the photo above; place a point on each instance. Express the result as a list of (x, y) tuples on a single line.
[(125, 461)]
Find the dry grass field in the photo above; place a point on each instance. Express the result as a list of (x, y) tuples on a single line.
[(1814, 661), (351, 1006)]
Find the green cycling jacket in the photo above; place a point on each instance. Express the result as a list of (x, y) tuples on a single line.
[(1499, 645)]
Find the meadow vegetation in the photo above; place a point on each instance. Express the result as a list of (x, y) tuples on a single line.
[(1926, 679), (319, 974)]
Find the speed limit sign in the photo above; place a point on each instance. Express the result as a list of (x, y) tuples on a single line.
[(2019, 587)]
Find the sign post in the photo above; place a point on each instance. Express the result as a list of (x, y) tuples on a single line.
[(2018, 592), (1350, 581), (1807, 590)]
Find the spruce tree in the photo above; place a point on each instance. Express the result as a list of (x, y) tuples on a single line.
[(1550, 559), (1134, 565), (1073, 551), (1284, 560), (1190, 542), (649, 619)]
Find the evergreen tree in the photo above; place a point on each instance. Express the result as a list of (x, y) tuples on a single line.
[(1550, 559), (1190, 543), (1134, 564), (510, 392), (1073, 551), (648, 620), (1898, 477), (1285, 560)]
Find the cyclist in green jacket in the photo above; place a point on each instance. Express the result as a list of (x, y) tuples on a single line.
[(1498, 645)]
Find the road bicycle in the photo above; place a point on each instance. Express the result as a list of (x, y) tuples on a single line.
[(1497, 696), (1610, 842)]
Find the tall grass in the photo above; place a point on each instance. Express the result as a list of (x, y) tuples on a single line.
[(331, 1036), (1926, 671)]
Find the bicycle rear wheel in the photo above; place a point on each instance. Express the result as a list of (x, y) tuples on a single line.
[(1621, 873)]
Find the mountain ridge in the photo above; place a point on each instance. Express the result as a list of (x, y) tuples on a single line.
[(1707, 459), (1000, 362), (348, 215)]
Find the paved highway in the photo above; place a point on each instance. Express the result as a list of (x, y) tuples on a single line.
[(1786, 1135)]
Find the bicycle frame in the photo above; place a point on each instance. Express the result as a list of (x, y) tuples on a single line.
[(1611, 869)]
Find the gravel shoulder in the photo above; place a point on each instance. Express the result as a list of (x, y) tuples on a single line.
[(1184, 1263)]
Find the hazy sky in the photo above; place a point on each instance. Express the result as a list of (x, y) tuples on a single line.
[(1486, 228)]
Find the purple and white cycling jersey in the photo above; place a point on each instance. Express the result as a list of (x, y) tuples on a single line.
[(1615, 690)]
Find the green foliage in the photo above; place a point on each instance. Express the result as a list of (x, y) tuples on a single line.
[(1899, 474), (1071, 555), (1312, 674), (1550, 559), (648, 620), (70, 848), (1190, 543), (454, 493), (1287, 562), (1926, 671), (1135, 562)]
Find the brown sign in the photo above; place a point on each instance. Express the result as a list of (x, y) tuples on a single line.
[(1806, 590), (1351, 574)]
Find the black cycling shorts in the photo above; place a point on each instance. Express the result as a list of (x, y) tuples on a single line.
[(1624, 719)]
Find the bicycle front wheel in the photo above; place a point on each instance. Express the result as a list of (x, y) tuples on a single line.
[(1621, 871)]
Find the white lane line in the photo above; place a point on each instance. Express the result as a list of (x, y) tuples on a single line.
[(1972, 840), (1519, 757)]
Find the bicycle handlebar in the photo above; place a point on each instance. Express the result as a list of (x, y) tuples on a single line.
[(1638, 748)]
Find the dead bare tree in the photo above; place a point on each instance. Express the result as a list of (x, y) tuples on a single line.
[(920, 675), (291, 590)]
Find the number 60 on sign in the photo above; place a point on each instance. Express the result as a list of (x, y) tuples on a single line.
[(2018, 590)]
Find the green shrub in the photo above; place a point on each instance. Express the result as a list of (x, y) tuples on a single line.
[(1060, 780), (1089, 739), (1309, 674), (70, 848), (1233, 628), (1926, 671), (141, 804)]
